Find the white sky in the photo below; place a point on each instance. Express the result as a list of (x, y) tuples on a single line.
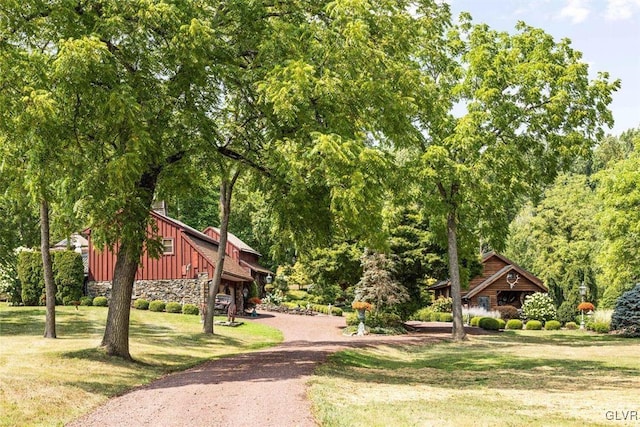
[(607, 32)]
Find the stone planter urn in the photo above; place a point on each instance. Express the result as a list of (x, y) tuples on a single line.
[(361, 308)]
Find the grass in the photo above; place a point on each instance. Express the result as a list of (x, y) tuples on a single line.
[(533, 378), (53, 381)]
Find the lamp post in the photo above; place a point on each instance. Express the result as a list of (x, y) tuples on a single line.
[(583, 293)]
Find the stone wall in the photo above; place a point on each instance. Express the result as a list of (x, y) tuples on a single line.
[(184, 291)]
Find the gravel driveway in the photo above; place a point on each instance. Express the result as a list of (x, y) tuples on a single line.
[(263, 388)]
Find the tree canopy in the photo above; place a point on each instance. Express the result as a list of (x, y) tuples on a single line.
[(530, 108), (310, 103)]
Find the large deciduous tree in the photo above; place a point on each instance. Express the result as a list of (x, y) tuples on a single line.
[(620, 226), (126, 81), (512, 110), (316, 87)]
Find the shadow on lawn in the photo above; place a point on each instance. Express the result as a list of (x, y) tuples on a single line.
[(30, 321), (470, 367)]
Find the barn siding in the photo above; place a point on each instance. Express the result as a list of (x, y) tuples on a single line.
[(101, 264)]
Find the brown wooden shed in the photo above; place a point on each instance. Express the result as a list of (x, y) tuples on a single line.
[(502, 282)]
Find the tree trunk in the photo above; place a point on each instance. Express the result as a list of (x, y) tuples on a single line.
[(49, 283), (116, 334), (458, 332), (226, 190)]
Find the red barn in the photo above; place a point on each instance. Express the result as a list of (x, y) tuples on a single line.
[(502, 282), (181, 274)]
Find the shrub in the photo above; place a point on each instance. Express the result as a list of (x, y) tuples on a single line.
[(501, 323), (489, 323), (157, 305), (190, 309), (533, 325), (474, 320), (445, 317), (68, 274), (442, 305), (625, 319), (31, 277), (384, 320), (567, 312), (352, 319), (552, 325), (434, 316), (600, 327), (376, 320), (539, 306), (336, 311), (100, 301), (87, 301), (514, 324), (571, 325), (141, 304), (508, 312), (423, 315), (173, 307)]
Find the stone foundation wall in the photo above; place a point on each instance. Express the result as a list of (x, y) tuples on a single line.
[(184, 291)]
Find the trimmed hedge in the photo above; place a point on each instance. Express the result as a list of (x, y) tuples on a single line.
[(379, 320), (552, 325), (173, 307), (474, 320), (141, 304), (157, 305), (515, 324), (533, 325), (190, 309), (489, 323), (571, 325), (502, 323), (100, 301), (31, 277), (68, 275), (86, 301)]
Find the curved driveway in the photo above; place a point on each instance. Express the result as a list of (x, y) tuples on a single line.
[(262, 388)]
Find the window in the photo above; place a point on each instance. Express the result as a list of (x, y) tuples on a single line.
[(167, 246), (484, 302)]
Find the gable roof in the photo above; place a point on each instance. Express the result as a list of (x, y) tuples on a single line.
[(208, 248), (232, 271), (510, 266), (235, 241)]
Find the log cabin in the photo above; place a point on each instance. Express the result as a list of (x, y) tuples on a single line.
[(502, 282)]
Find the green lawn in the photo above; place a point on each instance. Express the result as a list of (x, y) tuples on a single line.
[(528, 378), (53, 381)]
